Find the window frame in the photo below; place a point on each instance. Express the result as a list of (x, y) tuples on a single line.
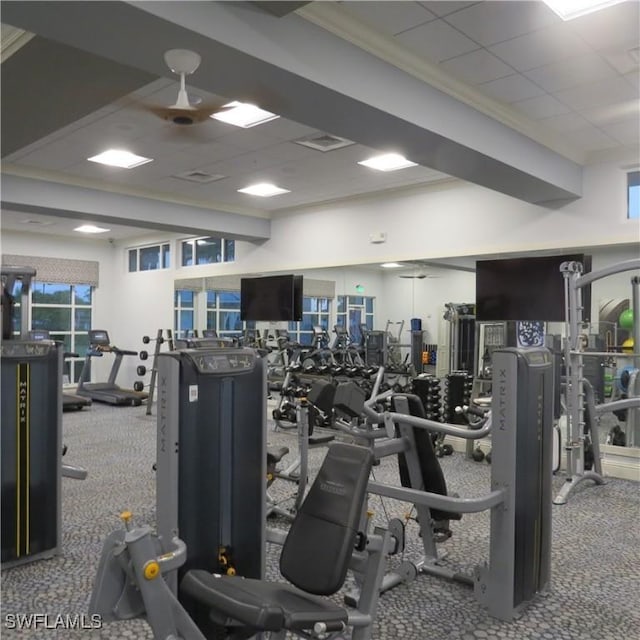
[(164, 256), (633, 183), (317, 317), (74, 364), (179, 307), (227, 251), (349, 302)]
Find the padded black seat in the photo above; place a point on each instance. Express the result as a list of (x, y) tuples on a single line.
[(275, 454), (269, 606), (315, 441), (315, 556)]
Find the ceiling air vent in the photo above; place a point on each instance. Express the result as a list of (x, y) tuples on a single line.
[(37, 223), (199, 176), (324, 142)]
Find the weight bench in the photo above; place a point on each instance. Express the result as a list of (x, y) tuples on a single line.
[(314, 559)]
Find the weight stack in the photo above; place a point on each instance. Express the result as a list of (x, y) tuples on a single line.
[(457, 392), (428, 389)]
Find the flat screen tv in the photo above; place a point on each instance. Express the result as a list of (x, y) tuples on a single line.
[(272, 298), (526, 289)]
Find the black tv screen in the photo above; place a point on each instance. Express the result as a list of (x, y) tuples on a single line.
[(273, 298), (526, 289)]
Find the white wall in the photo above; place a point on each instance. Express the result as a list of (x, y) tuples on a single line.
[(445, 220)]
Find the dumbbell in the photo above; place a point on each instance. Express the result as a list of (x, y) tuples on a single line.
[(143, 355), (138, 385), (147, 339), (141, 370), (478, 455)]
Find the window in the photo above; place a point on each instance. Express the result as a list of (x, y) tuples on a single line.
[(150, 258), (65, 310), (315, 313), (223, 313), (184, 312), (207, 251), (633, 195), (354, 311)]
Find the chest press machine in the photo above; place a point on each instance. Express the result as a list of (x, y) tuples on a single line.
[(196, 601)]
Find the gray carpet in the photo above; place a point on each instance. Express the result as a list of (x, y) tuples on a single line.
[(595, 593)]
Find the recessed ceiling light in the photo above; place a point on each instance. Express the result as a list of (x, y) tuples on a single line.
[(91, 228), (570, 9), (263, 189), (390, 265), (388, 162), (119, 158), (243, 115)]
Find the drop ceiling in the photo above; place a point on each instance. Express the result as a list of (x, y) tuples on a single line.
[(570, 89)]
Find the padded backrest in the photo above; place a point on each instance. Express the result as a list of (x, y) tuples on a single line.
[(432, 477), (315, 556), (321, 395)]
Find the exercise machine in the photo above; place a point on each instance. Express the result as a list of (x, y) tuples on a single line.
[(318, 402), (328, 535), (210, 489), (211, 459), (520, 497), (31, 448), (108, 392), (581, 431), (31, 434)]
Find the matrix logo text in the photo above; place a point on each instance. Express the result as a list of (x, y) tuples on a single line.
[(52, 621)]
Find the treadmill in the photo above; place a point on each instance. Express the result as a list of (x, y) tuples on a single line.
[(70, 401), (108, 392)]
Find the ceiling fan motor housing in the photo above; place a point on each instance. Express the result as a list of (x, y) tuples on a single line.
[(182, 119)]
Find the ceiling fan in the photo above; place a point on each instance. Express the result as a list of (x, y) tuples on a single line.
[(184, 112), (419, 272)]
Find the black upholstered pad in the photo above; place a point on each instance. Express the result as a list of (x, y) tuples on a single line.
[(275, 454), (432, 476), (316, 554), (269, 606)]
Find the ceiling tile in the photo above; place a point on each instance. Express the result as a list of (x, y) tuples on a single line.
[(49, 158), (477, 67), (623, 60), (628, 133), (436, 41), (591, 139), (541, 107), (595, 94), (539, 48), (611, 113), (511, 88), (571, 72), (490, 22), (565, 122), (445, 7), (284, 129), (390, 17), (633, 79), (615, 27)]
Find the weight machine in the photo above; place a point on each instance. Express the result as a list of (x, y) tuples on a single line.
[(31, 440), (519, 565), (579, 429)]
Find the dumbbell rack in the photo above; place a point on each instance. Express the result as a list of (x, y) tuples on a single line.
[(154, 368)]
